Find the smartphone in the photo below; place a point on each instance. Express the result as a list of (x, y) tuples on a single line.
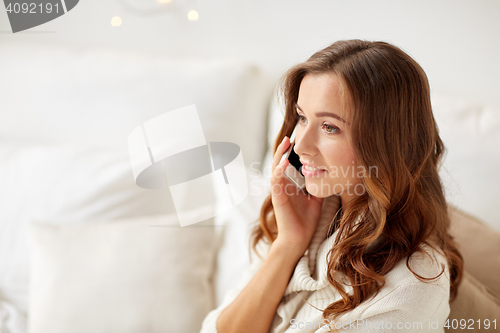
[(293, 170)]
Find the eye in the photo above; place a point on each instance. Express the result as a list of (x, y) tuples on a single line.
[(329, 129), (299, 118)]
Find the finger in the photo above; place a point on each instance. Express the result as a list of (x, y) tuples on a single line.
[(279, 170), (285, 143), (278, 179)]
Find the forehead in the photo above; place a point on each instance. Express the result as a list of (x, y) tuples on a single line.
[(322, 92)]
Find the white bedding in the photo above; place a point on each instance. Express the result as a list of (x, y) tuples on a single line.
[(11, 319)]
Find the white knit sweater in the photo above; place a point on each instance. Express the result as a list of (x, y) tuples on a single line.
[(404, 304)]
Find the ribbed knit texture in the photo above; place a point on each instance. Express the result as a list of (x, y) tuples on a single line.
[(404, 304)]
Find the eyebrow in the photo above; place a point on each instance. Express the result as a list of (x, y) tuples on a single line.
[(324, 114)]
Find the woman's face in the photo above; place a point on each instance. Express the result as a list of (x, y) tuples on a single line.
[(322, 139)]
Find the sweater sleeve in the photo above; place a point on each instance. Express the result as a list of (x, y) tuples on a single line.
[(209, 323), (413, 307)]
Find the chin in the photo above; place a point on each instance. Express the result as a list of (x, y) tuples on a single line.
[(317, 191)]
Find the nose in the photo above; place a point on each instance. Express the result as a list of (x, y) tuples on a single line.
[(305, 142)]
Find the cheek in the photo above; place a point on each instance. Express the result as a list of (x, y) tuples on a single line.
[(341, 156), (348, 157), (344, 166)]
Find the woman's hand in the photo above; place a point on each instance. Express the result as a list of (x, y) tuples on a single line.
[(297, 214)]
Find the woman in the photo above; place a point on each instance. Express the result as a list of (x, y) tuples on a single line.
[(367, 248)]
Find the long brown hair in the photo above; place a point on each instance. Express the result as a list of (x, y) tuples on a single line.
[(392, 128)]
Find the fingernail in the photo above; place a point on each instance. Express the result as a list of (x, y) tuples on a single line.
[(283, 139)]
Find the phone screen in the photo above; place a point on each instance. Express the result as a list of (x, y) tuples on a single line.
[(294, 169), (295, 161), (292, 155)]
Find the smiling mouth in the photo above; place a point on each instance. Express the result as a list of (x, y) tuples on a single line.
[(309, 169), (315, 173)]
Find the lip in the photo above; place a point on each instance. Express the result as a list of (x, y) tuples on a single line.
[(311, 165), (311, 173)]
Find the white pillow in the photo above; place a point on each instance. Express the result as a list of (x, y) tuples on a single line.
[(276, 116), (90, 97), (233, 256), (61, 93), (125, 275), (11, 320), (62, 183), (471, 134)]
